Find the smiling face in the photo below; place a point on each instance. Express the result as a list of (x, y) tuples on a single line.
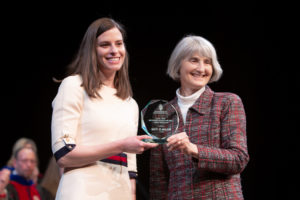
[(195, 73), (110, 50)]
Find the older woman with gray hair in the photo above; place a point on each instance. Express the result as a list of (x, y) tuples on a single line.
[(205, 157)]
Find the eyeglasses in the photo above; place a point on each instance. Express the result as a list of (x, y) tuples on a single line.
[(27, 161)]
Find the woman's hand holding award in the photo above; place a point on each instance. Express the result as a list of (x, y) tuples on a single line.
[(159, 119)]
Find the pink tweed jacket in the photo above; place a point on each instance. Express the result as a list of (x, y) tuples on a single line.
[(216, 123)]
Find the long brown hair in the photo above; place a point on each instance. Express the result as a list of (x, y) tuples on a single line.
[(85, 62)]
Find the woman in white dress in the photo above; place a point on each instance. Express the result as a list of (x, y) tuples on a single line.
[(95, 120)]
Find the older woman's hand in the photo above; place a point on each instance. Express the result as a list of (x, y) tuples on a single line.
[(180, 141)]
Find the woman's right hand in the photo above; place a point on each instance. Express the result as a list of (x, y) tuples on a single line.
[(136, 145)]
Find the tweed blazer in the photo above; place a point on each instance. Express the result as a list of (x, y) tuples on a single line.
[(216, 123)]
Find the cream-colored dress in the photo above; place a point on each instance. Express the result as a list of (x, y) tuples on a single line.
[(93, 122)]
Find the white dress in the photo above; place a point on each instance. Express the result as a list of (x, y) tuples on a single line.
[(93, 122)]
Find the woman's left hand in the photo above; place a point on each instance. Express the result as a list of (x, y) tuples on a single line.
[(181, 141)]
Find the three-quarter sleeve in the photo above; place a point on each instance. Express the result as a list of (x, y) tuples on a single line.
[(233, 156), (67, 107)]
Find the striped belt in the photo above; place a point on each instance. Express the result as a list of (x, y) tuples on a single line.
[(119, 159)]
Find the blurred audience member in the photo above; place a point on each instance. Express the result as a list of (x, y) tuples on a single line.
[(25, 142), (21, 185), (21, 142)]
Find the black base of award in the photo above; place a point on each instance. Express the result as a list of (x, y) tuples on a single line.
[(154, 140)]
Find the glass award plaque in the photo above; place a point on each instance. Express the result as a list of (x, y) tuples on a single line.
[(159, 119)]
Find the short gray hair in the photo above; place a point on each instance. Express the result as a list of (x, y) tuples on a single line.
[(187, 46)]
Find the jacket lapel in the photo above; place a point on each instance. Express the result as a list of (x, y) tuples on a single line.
[(202, 104)]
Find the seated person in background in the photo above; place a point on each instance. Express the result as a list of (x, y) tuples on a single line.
[(21, 142), (25, 142), (21, 186)]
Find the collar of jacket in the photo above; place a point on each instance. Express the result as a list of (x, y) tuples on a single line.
[(202, 104)]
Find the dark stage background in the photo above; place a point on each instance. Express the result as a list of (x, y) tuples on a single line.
[(38, 42)]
